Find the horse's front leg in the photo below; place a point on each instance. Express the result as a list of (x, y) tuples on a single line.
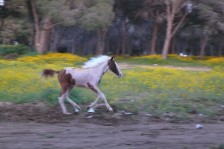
[(91, 107), (95, 102), (105, 101), (101, 95)]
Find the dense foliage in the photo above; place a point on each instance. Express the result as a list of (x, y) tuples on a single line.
[(127, 27), (13, 49)]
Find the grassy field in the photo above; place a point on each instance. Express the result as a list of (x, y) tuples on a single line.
[(150, 84)]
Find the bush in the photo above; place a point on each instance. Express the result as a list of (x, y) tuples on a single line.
[(13, 49)]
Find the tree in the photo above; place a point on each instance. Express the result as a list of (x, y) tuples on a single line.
[(211, 13), (155, 10), (14, 24), (90, 14), (175, 9), (97, 15), (173, 12), (46, 14), (15, 30), (125, 18), (41, 32)]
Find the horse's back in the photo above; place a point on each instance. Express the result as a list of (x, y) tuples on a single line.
[(79, 75)]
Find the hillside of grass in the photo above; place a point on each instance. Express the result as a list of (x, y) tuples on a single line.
[(151, 89)]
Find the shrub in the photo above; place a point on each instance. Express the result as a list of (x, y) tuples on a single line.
[(13, 49)]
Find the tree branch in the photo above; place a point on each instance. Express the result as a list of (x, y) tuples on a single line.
[(49, 27), (179, 24)]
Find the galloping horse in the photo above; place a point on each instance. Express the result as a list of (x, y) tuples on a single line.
[(88, 76)]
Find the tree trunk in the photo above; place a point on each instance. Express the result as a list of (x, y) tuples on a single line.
[(44, 36), (118, 44), (2, 23), (171, 10), (173, 46), (166, 47), (1, 28), (36, 24), (220, 51), (100, 41), (166, 44), (203, 45), (41, 35), (53, 37), (170, 16), (152, 49), (123, 29), (57, 39)]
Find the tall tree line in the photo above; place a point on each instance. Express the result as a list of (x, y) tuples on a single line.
[(122, 27)]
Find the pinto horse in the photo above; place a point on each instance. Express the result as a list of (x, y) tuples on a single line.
[(88, 76)]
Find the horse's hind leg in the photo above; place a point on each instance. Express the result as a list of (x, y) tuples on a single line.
[(76, 107), (61, 100), (65, 82)]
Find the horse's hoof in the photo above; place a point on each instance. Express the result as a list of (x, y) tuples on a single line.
[(76, 110), (79, 108), (67, 113), (91, 110), (110, 109)]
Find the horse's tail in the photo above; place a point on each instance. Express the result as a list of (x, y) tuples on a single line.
[(49, 73)]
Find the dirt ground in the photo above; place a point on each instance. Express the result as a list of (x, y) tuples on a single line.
[(37, 126)]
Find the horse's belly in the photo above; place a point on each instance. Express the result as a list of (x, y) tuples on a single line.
[(81, 83)]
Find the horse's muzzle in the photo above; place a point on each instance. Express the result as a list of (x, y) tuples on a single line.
[(119, 75)]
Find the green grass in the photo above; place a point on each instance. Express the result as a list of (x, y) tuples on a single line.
[(150, 89)]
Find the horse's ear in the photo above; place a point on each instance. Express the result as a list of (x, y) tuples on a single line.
[(112, 58)]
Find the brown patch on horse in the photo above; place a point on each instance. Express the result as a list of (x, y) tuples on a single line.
[(91, 87), (66, 81), (48, 73)]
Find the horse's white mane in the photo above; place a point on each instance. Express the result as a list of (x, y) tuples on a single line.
[(94, 61)]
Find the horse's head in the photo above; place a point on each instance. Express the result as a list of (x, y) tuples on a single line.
[(114, 67)]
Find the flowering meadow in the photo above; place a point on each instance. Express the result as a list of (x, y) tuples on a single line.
[(148, 83), (21, 81)]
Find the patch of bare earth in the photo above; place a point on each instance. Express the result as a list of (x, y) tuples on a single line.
[(38, 126)]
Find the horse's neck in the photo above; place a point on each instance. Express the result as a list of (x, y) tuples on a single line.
[(100, 69)]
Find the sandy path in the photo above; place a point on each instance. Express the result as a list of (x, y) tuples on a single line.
[(36, 126), (74, 135)]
